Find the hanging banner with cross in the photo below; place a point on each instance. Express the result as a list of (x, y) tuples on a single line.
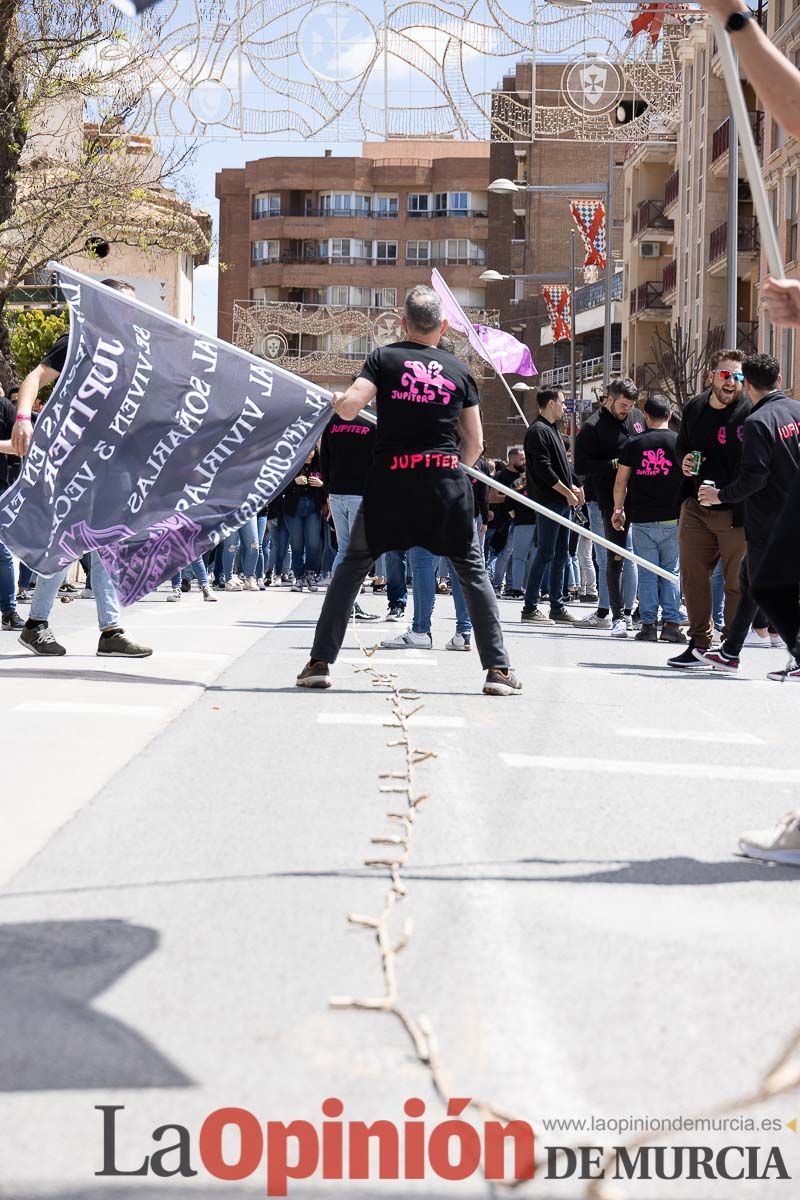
[(557, 300), (590, 217)]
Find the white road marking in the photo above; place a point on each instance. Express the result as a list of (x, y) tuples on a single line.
[(692, 735), (382, 660), (669, 770), (430, 722), (150, 712)]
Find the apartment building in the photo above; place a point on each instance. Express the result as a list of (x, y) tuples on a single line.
[(355, 233), (677, 222)]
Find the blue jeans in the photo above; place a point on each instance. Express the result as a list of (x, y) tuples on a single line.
[(718, 595), (105, 595), (247, 539), (263, 545), (305, 534), (423, 567), (659, 545), (522, 543), (25, 576), (396, 575), (629, 571), (343, 510), (551, 552), (502, 560), (198, 567), (278, 546), (7, 589)]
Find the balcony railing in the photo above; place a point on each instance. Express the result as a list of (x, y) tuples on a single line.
[(650, 215), (368, 213), (672, 188), (670, 277), (291, 257), (647, 295), (748, 241), (594, 294), (746, 337), (592, 368), (721, 137)]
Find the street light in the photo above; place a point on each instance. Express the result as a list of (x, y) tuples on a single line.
[(493, 277), (521, 387), (503, 187)]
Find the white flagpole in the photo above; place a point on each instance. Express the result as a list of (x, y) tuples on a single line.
[(730, 71), (552, 516)]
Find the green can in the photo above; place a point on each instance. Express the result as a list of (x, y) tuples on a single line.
[(697, 459)]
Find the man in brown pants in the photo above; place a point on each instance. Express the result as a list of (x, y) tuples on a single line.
[(711, 425)]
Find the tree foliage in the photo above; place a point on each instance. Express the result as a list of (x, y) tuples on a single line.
[(33, 332)]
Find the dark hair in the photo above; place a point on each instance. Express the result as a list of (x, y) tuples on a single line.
[(623, 387), (545, 395), (658, 407), (720, 355), (119, 285), (762, 370)]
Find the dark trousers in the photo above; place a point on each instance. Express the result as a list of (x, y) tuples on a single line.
[(748, 610), (615, 564), (352, 571), (552, 546)]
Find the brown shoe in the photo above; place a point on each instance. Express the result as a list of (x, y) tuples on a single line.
[(314, 675), (501, 682), (648, 633), (672, 632), (562, 617)]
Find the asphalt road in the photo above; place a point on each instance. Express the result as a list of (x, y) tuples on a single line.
[(184, 837)]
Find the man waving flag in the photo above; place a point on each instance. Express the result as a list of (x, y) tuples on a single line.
[(156, 443)]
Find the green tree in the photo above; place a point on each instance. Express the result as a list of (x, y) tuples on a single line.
[(33, 332)]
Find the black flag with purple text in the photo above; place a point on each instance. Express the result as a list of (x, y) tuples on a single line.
[(156, 443)]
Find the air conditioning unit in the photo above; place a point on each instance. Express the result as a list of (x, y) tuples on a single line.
[(650, 249)]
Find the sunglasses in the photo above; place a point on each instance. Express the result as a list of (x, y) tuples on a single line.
[(736, 376)]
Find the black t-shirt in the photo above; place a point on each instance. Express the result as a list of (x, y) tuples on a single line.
[(421, 394), (9, 463), (346, 452), (655, 481), (711, 433), (57, 354)]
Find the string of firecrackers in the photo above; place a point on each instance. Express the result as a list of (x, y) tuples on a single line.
[(557, 299)]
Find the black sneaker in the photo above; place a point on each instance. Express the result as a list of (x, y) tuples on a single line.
[(314, 675), (648, 633), (118, 645), (361, 615), (41, 640), (12, 621), (692, 659), (186, 585), (501, 682), (396, 613)]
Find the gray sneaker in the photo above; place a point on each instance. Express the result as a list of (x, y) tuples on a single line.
[(535, 616), (118, 645), (41, 640), (594, 622)]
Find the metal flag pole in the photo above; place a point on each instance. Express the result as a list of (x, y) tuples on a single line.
[(514, 400), (552, 516), (730, 72)]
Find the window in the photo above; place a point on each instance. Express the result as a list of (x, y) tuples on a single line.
[(777, 136), (791, 217), (385, 297), (385, 206), (336, 204), (419, 204), (458, 204), (361, 296), (338, 295), (361, 205), (418, 251), (386, 252), (347, 249), (440, 203), (266, 204), (264, 295), (787, 358), (459, 251), (263, 252)]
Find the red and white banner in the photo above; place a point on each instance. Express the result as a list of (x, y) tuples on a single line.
[(557, 300), (590, 217)]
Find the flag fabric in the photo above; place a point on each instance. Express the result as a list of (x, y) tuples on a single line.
[(505, 353), (590, 217), (134, 8), (650, 20), (156, 444), (558, 309)]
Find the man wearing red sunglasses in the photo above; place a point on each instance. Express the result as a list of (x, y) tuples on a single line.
[(711, 428)]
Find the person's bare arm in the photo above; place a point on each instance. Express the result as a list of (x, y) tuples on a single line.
[(348, 404), (6, 447), (29, 389), (774, 78), (470, 432)]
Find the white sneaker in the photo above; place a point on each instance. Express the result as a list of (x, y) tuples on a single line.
[(460, 641), (409, 641), (619, 628), (174, 596), (87, 594), (755, 639), (629, 624), (234, 584), (777, 642), (594, 622), (208, 595), (251, 584), (779, 844)]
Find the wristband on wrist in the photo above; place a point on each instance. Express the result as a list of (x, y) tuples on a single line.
[(619, 510), (737, 21), (22, 417)]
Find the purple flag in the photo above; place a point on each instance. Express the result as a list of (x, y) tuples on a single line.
[(501, 350)]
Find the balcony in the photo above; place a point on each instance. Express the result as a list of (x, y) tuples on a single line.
[(368, 213), (448, 212), (649, 219), (647, 301), (292, 257), (746, 337), (670, 278), (591, 368), (445, 262), (721, 143), (672, 190), (748, 247)]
